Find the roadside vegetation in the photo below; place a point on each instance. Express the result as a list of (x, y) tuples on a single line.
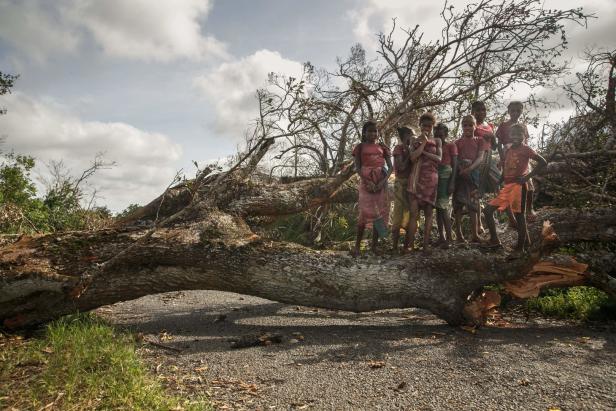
[(77, 363)]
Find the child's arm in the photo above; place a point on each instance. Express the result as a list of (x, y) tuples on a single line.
[(475, 164), (452, 180), (357, 161), (439, 151), (501, 153), (542, 163), (415, 153), (385, 180)]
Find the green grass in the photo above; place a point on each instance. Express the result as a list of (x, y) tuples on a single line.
[(580, 303), (81, 364)]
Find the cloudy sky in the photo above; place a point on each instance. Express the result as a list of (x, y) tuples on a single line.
[(157, 84)]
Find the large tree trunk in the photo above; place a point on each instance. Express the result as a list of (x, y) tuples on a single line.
[(203, 242)]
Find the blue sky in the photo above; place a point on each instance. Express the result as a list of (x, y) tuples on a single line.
[(156, 85)]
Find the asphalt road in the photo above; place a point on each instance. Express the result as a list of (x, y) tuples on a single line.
[(385, 360)]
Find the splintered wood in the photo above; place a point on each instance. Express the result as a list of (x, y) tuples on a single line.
[(548, 274)]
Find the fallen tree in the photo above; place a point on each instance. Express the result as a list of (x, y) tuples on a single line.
[(203, 233), (204, 242)]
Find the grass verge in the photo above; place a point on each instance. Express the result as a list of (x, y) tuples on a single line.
[(580, 303), (80, 363)]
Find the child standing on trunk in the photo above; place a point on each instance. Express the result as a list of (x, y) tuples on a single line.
[(447, 170), (471, 154), (513, 194), (370, 160), (503, 136), (426, 152), (402, 170)]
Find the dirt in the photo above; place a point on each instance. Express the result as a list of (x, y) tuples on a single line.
[(391, 359)]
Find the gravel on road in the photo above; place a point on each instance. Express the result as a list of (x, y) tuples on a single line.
[(386, 360)]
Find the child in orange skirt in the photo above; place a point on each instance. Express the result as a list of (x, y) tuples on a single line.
[(513, 194)]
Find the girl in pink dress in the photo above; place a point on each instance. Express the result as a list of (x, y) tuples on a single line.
[(426, 152), (370, 160)]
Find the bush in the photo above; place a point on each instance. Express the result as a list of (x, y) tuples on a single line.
[(580, 303)]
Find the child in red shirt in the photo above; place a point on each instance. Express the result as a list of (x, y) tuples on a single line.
[(370, 160), (514, 109), (513, 194), (471, 153)]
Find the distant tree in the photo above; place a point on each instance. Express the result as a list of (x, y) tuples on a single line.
[(6, 83), (128, 210), (65, 195), (20, 210)]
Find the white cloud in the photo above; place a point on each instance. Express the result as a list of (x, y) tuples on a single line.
[(160, 30), (145, 160), (231, 88), (28, 27), (375, 16)]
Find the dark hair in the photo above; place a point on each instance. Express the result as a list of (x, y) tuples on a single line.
[(477, 103), (427, 116), (405, 130), (442, 126), (364, 129), (516, 103)]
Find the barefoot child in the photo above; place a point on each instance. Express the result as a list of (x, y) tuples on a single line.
[(485, 131), (447, 170), (471, 153), (402, 170), (513, 194), (370, 159), (425, 156), (514, 109)]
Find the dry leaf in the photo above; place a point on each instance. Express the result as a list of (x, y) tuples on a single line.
[(376, 364)]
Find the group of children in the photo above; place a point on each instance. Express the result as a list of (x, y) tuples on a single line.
[(429, 170)]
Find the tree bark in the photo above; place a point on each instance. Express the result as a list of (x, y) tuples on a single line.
[(208, 245)]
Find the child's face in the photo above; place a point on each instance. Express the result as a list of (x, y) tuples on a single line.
[(480, 113), (468, 129), (426, 126), (372, 134), (517, 136), (515, 111), (440, 133), (405, 138)]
